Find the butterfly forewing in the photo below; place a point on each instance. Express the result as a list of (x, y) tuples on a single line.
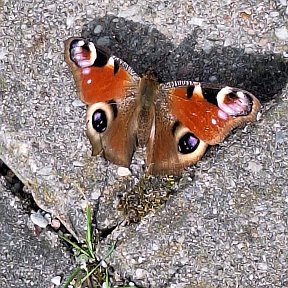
[(108, 85), (209, 111)]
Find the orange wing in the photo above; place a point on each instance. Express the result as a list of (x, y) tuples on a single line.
[(209, 111), (188, 117), (109, 87)]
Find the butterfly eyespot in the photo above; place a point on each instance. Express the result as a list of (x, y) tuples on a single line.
[(83, 53), (99, 121), (188, 143)]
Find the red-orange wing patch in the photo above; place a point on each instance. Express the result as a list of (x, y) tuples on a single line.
[(210, 112), (107, 79)]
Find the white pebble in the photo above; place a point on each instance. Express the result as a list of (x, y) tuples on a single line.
[(69, 21), (97, 29), (55, 223), (105, 285), (254, 167), (48, 217), (283, 2), (274, 14), (39, 220), (78, 103), (140, 273), (213, 79), (45, 171), (262, 266), (281, 33), (103, 264), (196, 21), (56, 280), (3, 53), (78, 164), (123, 172)]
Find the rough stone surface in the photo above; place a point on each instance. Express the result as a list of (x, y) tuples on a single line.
[(228, 228), (226, 224), (27, 261)]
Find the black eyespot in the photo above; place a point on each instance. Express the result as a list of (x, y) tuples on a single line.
[(73, 44), (188, 143), (233, 95), (99, 121)]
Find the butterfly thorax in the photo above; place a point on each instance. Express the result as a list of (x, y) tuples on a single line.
[(148, 89)]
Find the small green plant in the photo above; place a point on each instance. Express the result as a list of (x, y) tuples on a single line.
[(89, 265)]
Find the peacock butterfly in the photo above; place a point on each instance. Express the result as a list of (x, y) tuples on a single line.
[(175, 121)]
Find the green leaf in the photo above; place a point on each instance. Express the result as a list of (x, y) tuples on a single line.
[(77, 247), (89, 231), (90, 273), (72, 276)]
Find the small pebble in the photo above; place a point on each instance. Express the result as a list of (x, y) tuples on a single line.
[(140, 273), (55, 223), (48, 217), (196, 21), (207, 46), (45, 171), (69, 21), (281, 33), (105, 285), (254, 167), (103, 264), (262, 266), (274, 14), (283, 2), (213, 79), (123, 172), (78, 103), (78, 164), (39, 220), (95, 195), (228, 42), (97, 29), (103, 41), (3, 53), (56, 280)]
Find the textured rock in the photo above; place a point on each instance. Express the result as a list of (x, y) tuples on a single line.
[(224, 223)]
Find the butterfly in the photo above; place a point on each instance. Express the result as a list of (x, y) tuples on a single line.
[(175, 121)]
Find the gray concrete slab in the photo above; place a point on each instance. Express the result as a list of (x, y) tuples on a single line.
[(26, 260), (216, 229), (227, 228)]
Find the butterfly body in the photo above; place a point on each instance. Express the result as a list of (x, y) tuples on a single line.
[(175, 121)]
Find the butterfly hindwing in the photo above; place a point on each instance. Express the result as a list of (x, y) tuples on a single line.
[(168, 138)]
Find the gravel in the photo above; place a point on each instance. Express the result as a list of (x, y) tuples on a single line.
[(225, 224), (27, 261)]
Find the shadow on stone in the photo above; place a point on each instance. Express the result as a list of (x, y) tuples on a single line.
[(144, 47)]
